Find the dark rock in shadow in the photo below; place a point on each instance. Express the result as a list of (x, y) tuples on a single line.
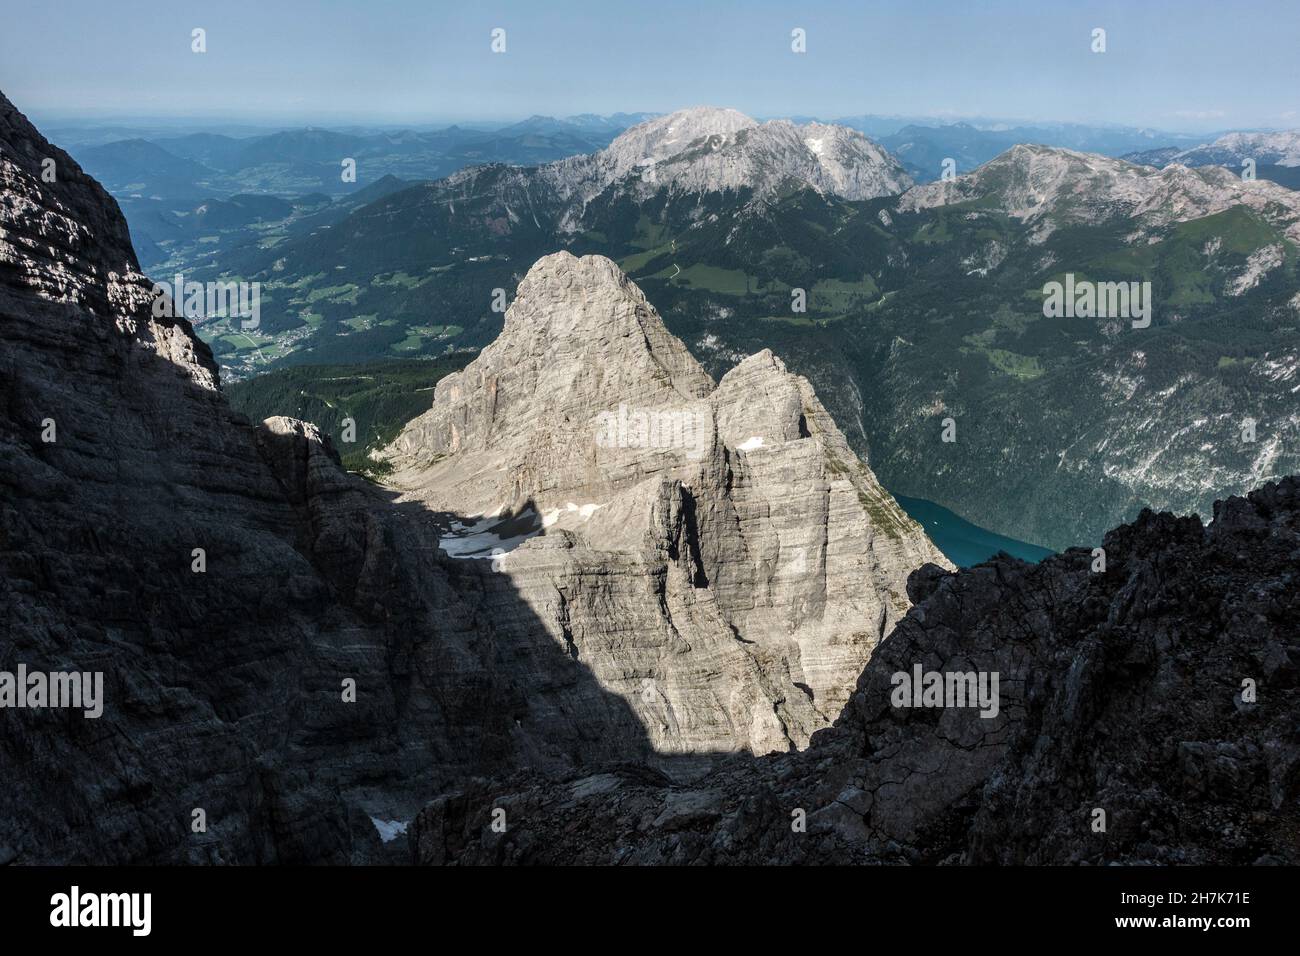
[(1145, 714)]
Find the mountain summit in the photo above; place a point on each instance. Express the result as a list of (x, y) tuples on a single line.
[(636, 506), (706, 149), (694, 152)]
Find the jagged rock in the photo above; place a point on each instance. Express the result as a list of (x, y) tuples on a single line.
[(1119, 691), (718, 557)]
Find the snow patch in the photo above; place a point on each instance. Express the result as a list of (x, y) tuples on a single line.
[(582, 511), (489, 536), (390, 830)]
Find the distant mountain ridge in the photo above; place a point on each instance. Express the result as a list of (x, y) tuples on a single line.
[(309, 157), (1265, 155), (159, 181), (926, 149), (1272, 148), (919, 306), (1056, 187)]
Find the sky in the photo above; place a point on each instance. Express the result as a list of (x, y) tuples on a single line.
[(1171, 64)]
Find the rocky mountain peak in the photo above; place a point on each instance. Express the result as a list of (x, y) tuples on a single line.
[(589, 455), (556, 279), (63, 238), (705, 150), (1053, 186), (666, 136), (578, 338), (584, 313), (725, 154)]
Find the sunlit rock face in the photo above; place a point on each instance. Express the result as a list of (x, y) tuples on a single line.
[(696, 151), (716, 554)]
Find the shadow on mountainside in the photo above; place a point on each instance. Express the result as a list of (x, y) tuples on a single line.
[(230, 582), (225, 686), (1146, 715)]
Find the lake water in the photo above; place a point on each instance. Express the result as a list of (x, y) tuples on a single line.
[(962, 542)]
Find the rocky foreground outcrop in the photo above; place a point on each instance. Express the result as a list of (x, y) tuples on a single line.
[(224, 578), (1149, 713)]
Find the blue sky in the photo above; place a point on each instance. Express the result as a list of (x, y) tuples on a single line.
[(1175, 64)]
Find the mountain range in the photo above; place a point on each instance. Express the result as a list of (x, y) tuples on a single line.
[(919, 303), (172, 165), (924, 148), (161, 177), (601, 593), (1274, 156)]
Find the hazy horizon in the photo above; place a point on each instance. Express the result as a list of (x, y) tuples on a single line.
[(421, 64), (254, 125)]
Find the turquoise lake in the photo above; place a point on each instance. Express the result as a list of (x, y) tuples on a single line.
[(962, 542)]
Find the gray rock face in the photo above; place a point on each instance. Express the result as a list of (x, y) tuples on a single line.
[(1161, 693), (222, 668), (718, 557)]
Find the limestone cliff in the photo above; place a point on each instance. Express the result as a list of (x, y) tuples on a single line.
[(718, 556)]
